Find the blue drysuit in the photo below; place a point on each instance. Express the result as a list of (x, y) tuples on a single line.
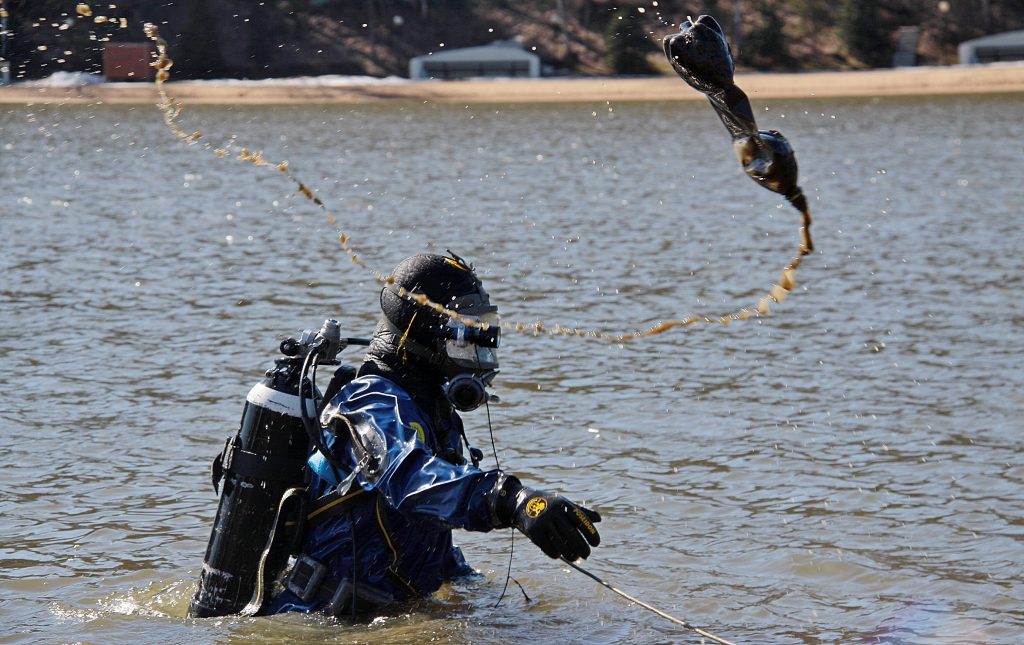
[(402, 515)]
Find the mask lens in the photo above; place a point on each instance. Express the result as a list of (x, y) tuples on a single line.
[(469, 355)]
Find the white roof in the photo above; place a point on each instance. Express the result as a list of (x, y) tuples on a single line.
[(484, 52), (1009, 38)]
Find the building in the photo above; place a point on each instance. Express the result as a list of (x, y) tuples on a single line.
[(991, 49), (499, 59), (129, 61), (907, 41)]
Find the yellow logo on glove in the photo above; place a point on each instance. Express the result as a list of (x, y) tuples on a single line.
[(587, 524), (535, 506)]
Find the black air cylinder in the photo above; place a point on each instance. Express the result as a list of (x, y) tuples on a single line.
[(261, 462)]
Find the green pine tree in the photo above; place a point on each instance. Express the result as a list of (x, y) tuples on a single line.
[(815, 16), (197, 52), (765, 46), (863, 33), (626, 43)]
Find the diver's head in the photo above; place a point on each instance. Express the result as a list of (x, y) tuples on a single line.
[(464, 354)]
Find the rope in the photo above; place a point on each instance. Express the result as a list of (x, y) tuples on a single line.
[(666, 616), (172, 109)]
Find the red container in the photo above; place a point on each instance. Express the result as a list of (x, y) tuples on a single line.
[(128, 61)]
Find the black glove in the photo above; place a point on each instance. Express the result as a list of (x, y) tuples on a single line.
[(555, 524)]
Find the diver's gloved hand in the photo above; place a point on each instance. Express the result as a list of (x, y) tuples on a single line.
[(561, 528)]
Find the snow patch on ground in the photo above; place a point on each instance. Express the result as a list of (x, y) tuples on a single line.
[(68, 79), (327, 80)]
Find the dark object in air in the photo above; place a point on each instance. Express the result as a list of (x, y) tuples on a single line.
[(701, 56)]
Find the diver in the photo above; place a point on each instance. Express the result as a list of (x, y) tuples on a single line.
[(392, 480)]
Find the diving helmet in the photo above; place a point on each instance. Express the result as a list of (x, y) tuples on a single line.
[(463, 347)]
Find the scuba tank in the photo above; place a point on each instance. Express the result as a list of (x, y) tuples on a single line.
[(261, 512)]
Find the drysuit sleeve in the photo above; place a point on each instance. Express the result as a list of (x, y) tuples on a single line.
[(402, 468)]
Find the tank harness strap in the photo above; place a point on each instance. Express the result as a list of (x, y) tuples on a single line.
[(235, 459), (256, 602), (342, 377), (332, 505)]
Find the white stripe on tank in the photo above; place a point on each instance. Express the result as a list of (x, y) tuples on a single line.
[(278, 401)]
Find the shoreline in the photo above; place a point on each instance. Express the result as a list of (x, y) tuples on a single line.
[(998, 78)]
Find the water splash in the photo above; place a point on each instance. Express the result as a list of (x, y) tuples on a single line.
[(155, 600)]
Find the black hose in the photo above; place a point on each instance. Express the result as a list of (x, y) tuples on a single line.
[(313, 428)]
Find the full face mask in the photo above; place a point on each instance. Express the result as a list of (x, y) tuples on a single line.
[(462, 347), (471, 349), (472, 346)]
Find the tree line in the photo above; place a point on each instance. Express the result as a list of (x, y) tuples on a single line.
[(244, 38)]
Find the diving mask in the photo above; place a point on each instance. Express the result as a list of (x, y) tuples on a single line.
[(473, 347)]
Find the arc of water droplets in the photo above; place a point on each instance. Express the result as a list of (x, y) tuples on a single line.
[(171, 110)]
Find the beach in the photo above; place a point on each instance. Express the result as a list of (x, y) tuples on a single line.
[(999, 78)]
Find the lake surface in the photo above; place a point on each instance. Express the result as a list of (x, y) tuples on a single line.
[(846, 470)]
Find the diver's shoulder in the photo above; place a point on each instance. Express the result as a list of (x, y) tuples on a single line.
[(372, 387)]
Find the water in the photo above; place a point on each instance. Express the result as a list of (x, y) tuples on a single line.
[(845, 470)]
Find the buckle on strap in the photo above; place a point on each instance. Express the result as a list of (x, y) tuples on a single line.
[(349, 599), (222, 462), (305, 578), (341, 600)]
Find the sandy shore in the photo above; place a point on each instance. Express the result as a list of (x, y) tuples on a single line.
[(977, 79)]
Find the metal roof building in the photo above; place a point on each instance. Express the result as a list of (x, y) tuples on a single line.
[(499, 59), (990, 49)]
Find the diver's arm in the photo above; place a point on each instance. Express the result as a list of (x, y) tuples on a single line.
[(466, 497), (385, 432), (422, 484), (413, 480)]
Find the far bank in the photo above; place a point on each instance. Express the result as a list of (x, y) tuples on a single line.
[(997, 78)]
